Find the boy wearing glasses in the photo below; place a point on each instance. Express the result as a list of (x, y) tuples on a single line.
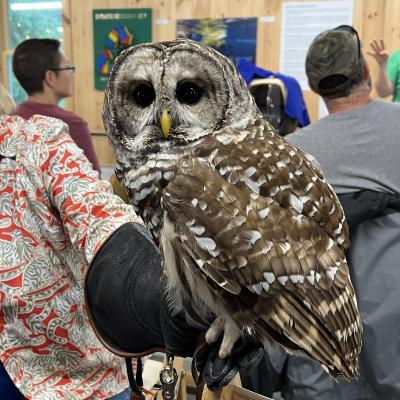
[(45, 73)]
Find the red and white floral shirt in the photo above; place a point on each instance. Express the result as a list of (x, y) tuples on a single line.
[(54, 215)]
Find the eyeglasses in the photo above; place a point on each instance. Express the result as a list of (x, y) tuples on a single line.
[(69, 68)]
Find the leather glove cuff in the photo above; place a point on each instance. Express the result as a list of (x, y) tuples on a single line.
[(126, 298), (123, 288)]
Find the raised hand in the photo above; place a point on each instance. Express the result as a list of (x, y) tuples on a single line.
[(379, 52)]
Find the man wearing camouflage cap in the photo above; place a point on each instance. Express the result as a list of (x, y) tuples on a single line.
[(334, 64), (357, 146)]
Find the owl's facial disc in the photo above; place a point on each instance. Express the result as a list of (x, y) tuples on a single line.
[(174, 94)]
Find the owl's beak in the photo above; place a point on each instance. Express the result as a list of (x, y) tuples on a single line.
[(165, 123)]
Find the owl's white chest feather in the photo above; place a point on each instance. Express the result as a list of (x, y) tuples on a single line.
[(196, 285)]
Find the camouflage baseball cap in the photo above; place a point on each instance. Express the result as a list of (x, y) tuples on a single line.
[(334, 61)]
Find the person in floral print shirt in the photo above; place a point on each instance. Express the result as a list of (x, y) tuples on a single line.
[(56, 219)]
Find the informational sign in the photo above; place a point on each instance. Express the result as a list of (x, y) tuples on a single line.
[(114, 30), (301, 23), (236, 38)]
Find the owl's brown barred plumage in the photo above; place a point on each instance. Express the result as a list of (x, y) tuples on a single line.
[(248, 226)]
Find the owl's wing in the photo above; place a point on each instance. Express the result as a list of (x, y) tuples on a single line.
[(271, 167), (247, 243)]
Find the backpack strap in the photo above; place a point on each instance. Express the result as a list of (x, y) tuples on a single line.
[(368, 204)]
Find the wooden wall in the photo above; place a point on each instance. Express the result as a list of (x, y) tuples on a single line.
[(3, 43), (372, 18)]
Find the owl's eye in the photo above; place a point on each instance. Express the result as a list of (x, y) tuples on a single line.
[(144, 94), (188, 93)]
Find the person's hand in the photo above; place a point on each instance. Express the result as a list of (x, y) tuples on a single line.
[(217, 372), (378, 51)]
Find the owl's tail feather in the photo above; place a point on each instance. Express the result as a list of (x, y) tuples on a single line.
[(292, 319), (342, 318), (313, 340)]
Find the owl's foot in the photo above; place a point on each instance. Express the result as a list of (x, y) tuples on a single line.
[(231, 335)]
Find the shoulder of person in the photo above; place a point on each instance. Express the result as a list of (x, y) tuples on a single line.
[(73, 119), (384, 106), (396, 54), (393, 63), (19, 109), (47, 128), (11, 126), (302, 133)]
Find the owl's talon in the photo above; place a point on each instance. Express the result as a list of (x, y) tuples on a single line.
[(222, 354), (230, 335), (215, 330)]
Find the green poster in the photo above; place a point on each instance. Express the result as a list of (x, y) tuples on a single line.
[(115, 30)]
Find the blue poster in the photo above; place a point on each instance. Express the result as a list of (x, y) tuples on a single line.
[(233, 37)]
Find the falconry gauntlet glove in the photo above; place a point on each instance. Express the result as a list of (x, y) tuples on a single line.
[(126, 300), (125, 295)]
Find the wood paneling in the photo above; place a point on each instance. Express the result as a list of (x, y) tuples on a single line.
[(372, 18), (103, 149)]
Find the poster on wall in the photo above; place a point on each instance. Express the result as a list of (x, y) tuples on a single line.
[(302, 21), (233, 37), (115, 30)]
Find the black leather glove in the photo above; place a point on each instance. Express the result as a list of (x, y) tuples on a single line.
[(126, 302), (180, 333), (246, 353), (125, 297)]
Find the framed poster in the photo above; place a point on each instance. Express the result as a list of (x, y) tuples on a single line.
[(114, 30), (234, 37)]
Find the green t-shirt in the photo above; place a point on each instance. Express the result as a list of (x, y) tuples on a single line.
[(393, 70)]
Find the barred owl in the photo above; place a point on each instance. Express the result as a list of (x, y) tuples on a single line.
[(249, 229)]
